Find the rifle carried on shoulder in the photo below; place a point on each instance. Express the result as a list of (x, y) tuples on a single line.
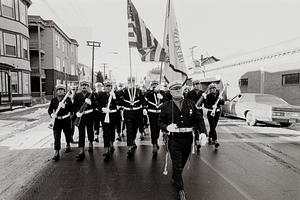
[(213, 112), (199, 102), (106, 119), (51, 125), (81, 110)]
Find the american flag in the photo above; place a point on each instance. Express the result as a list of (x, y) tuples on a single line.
[(139, 36)]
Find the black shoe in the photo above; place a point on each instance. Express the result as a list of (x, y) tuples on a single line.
[(56, 157), (155, 148), (181, 195), (90, 148), (106, 155), (111, 149), (217, 144), (134, 146), (130, 153), (80, 156), (68, 149)]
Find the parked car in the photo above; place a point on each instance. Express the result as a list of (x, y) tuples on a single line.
[(265, 108)]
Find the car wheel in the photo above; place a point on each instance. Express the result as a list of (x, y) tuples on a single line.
[(250, 119), (285, 124)]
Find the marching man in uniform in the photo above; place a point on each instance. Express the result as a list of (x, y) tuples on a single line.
[(109, 117), (98, 91), (178, 117), (62, 118), (132, 101), (154, 100), (194, 95), (209, 103), (87, 117)]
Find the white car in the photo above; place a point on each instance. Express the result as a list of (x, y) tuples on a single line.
[(266, 108)]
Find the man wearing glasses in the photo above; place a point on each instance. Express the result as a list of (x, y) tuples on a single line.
[(178, 117)]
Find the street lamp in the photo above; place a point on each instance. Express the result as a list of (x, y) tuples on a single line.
[(93, 44)]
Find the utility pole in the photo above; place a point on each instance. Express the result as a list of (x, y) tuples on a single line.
[(192, 51), (93, 44), (104, 65)]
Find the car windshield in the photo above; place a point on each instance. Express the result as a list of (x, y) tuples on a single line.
[(269, 99)]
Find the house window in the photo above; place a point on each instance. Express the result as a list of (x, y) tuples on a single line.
[(57, 63), (72, 50), (1, 43), (23, 13), (288, 79), (26, 83), (10, 43), (25, 48), (73, 69), (63, 45), (57, 42), (244, 82), (20, 82), (8, 8), (14, 82)]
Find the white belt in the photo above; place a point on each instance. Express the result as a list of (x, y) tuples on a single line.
[(87, 111), (154, 111), (217, 110), (133, 108), (111, 111), (182, 130), (63, 117)]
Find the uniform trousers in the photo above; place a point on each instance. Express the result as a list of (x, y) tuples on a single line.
[(59, 125), (109, 129), (180, 149), (213, 122), (87, 122), (132, 119), (154, 126)]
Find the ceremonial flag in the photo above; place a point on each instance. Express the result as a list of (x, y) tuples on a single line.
[(139, 36), (174, 69)]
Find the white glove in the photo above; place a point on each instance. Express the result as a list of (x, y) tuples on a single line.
[(159, 96), (171, 127), (202, 139), (113, 94), (105, 110), (144, 112), (53, 115), (62, 105), (88, 101), (204, 95), (78, 114), (70, 95)]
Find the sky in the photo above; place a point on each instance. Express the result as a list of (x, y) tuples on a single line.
[(220, 28)]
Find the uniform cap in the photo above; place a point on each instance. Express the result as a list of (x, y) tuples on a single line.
[(212, 85), (175, 84), (107, 82), (98, 84), (60, 86), (84, 83), (154, 82), (195, 82)]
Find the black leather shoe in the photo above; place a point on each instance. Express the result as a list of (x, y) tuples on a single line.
[(130, 153), (134, 146), (80, 156), (55, 158), (217, 144), (68, 149)]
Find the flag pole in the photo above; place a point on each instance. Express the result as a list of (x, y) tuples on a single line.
[(130, 63)]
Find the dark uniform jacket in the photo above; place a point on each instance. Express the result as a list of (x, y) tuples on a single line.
[(188, 117), (194, 96), (63, 111), (79, 100), (153, 103), (103, 98), (136, 103), (211, 100)]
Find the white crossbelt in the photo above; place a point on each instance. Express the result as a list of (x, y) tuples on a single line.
[(182, 130), (63, 117), (87, 111), (154, 111), (111, 111), (133, 108), (217, 110)]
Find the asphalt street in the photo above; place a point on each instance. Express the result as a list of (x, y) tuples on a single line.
[(259, 162)]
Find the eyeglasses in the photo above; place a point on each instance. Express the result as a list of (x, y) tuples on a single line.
[(108, 85), (85, 85)]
